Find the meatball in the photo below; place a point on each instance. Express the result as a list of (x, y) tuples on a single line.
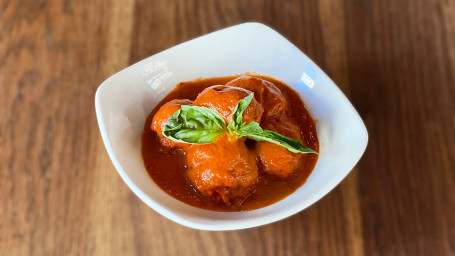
[(223, 99), (275, 159), (266, 93), (161, 117), (223, 170)]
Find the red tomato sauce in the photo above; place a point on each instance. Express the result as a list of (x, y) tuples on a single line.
[(167, 167)]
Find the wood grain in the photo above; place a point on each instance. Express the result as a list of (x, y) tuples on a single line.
[(60, 194)]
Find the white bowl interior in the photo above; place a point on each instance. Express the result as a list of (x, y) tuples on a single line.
[(124, 101)]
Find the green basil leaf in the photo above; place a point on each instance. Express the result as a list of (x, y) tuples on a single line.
[(236, 121), (251, 128), (291, 144), (194, 124)]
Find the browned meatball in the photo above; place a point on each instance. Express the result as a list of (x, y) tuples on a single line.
[(275, 159), (223, 99), (161, 117), (224, 169), (266, 93)]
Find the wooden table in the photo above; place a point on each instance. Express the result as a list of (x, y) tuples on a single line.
[(60, 194)]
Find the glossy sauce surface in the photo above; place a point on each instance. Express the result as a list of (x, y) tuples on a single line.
[(167, 167)]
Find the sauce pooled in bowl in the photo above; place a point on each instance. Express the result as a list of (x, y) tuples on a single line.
[(230, 143)]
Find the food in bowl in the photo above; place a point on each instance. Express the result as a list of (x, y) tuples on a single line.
[(234, 143)]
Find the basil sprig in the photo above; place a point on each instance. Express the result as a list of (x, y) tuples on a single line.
[(201, 125)]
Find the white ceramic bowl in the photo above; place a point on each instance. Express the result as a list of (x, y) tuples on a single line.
[(124, 100)]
